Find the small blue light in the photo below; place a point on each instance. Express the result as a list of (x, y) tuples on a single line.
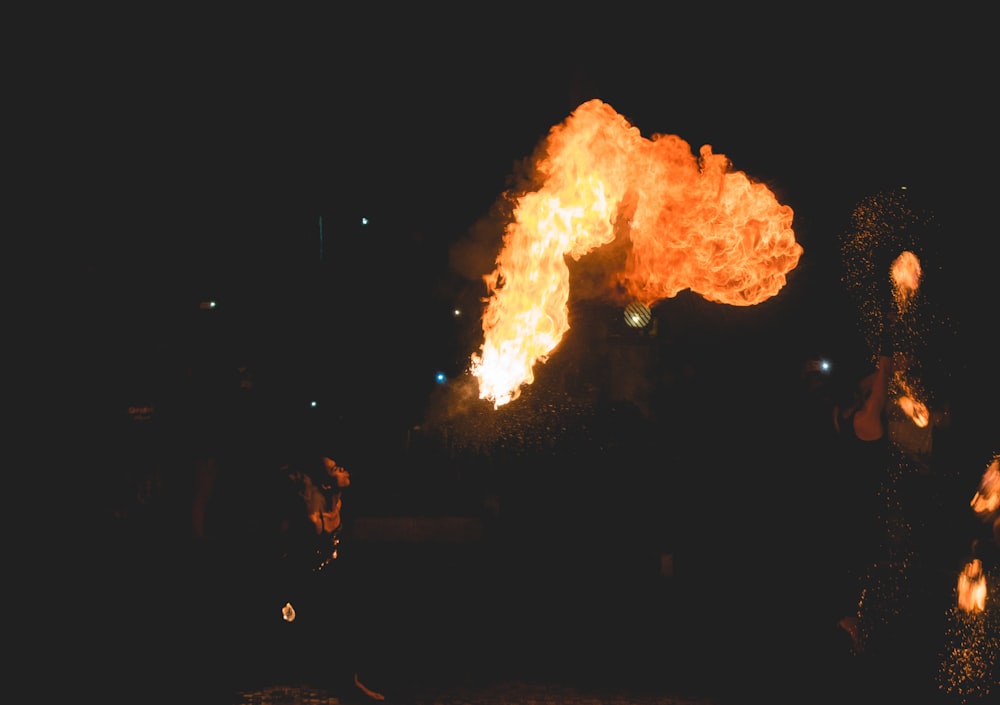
[(441, 378), (824, 365)]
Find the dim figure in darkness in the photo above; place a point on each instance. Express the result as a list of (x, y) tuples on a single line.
[(317, 592), (861, 426)]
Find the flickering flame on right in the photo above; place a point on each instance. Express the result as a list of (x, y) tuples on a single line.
[(986, 501), (972, 587)]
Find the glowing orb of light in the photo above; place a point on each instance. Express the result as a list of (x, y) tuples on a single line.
[(288, 612), (906, 274), (637, 315)]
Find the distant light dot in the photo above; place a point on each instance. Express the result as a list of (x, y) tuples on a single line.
[(440, 377), (637, 315)]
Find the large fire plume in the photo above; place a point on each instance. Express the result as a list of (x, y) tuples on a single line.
[(684, 222)]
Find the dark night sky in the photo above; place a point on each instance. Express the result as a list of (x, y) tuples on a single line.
[(199, 131), (194, 158)]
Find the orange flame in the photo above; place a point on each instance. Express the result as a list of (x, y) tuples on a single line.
[(986, 501), (906, 276), (916, 410), (972, 587), (685, 222), (908, 399)]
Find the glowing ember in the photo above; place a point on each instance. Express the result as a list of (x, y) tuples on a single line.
[(906, 275), (916, 410), (967, 670), (987, 498), (288, 612), (884, 228), (972, 587), (908, 388), (684, 223)]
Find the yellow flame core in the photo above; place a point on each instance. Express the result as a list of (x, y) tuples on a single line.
[(906, 275), (972, 587), (690, 223), (916, 410)]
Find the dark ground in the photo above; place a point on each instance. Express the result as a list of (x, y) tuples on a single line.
[(566, 585)]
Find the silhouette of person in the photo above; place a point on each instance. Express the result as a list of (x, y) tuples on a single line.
[(861, 426), (318, 595)]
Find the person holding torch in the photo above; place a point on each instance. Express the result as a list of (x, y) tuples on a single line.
[(317, 586), (861, 424)]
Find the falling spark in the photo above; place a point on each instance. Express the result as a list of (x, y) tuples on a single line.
[(679, 222), (877, 251), (969, 660), (879, 255)]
